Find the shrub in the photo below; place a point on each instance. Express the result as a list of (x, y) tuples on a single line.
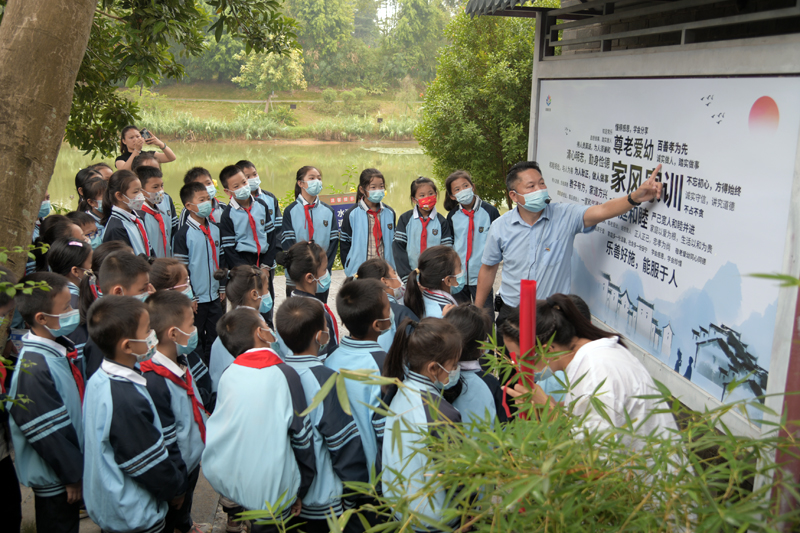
[(348, 97), (360, 93), (329, 96)]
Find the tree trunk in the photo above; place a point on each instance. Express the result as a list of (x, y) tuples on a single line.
[(42, 43)]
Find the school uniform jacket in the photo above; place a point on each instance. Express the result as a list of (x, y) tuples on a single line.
[(79, 337), (323, 218), (174, 407), (407, 243), (257, 446), (361, 355), (435, 301), (330, 319), (401, 312), (201, 380), (219, 360), (274, 211), (217, 208), (74, 295), (47, 431), (246, 231), (194, 249), (337, 443), (416, 406), (131, 472), (121, 226), (160, 233), (354, 237), (481, 396), (459, 222)]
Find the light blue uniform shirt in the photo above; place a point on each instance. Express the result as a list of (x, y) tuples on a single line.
[(542, 252)]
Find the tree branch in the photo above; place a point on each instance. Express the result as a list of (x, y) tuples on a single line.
[(109, 15)]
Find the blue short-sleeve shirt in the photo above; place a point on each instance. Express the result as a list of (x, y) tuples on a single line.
[(542, 252)]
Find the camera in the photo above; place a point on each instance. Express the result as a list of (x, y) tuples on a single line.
[(146, 134)]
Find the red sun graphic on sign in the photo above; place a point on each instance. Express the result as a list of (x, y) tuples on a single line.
[(764, 116)]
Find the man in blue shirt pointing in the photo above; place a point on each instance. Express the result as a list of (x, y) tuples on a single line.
[(534, 240)]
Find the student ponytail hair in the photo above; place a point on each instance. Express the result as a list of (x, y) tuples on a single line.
[(558, 314), (241, 280), (422, 180), (90, 287), (53, 227), (418, 343), (117, 183), (92, 188), (66, 253), (449, 203), (165, 274), (435, 264), (365, 179), (303, 258), (375, 268), (84, 175), (301, 173)]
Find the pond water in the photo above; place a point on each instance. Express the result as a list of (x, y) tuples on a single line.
[(277, 163)]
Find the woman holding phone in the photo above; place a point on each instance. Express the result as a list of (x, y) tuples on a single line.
[(132, 141)]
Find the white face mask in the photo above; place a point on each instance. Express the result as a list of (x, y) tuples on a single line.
[(135, 203), (400, 291)]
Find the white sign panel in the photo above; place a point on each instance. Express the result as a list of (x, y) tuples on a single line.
[(673, 275)]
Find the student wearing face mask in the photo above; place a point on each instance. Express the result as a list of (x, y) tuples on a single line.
[(203, 177), (309, 219), (92, 204), (72, 259), (158, 211), (535, 239), (44, 210), (428, 292), (122, 217)]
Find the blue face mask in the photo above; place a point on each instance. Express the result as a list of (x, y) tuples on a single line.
[(191, 344), (204, 209), (67, 322), (142, 297), (254, 183), (314, 187), (97, 240), (44, 209), (465, 196), (536, 200), (212, 191), (452, 378), (323, 283), (546, 373), (188, 292), (99, 205), (376, 196), (242, 194), (266, 303), (461, 279)]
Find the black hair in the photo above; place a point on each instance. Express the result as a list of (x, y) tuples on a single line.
[(513, 173), (53, 228), (241, 280), (510, 326), (244, 163), (80, 218), (365, 179), (474, 324), (66, 253), (89, 287), (93, 188), (558, 314), (148, 173), (122, 148), (189, 190), (301, 173), (582, 306), (193, 173), (449, 203), (84, 175), (435, 264), (235, 330), (298, 321), (119, 182), (375, 268), (303, 258), (112, 319), (418, 343), (121, 268), (39, 300), (226, 173), (164, 273), (166, 310), (6, 276), (359, 303), (101, 164), (420, 181), (139, 160)]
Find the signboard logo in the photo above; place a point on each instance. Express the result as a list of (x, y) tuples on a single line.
[(549, 100)]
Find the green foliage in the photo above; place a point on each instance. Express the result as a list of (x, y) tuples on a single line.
[(360, 93), (220, 61), (284, 115), (271, 72), (477, 111), (411, 43), (329, 96), (348, 97)]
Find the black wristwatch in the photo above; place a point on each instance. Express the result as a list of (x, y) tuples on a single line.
[(630, 201)]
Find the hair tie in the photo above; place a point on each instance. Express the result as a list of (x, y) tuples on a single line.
[(416, 271), (76, 243), (552, 303), (355, 276)]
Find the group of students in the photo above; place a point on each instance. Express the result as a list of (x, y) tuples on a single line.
[(157, 348)]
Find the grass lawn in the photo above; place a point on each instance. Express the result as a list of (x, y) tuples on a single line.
[(230, 91)]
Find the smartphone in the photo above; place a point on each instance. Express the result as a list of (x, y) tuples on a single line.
[(146, 134)]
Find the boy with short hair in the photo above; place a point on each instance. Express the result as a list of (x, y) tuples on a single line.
[(47, 430), (174, 393), (337, 443), (246, 227), (198, 246), (132, 468), (160, 219), (203, 177), (253, 463), (364, 309)]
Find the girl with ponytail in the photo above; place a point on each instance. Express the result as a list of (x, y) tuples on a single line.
[(429, 285)]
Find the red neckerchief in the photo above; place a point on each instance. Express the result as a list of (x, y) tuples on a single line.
[(76, 373), (258, 359), (166, 373), (207, 233), (471, 231), (146, 208), (253, 229), (333, 319), (423, 240), (309, 221), (211, 214), (142, 231), (376, 229)]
